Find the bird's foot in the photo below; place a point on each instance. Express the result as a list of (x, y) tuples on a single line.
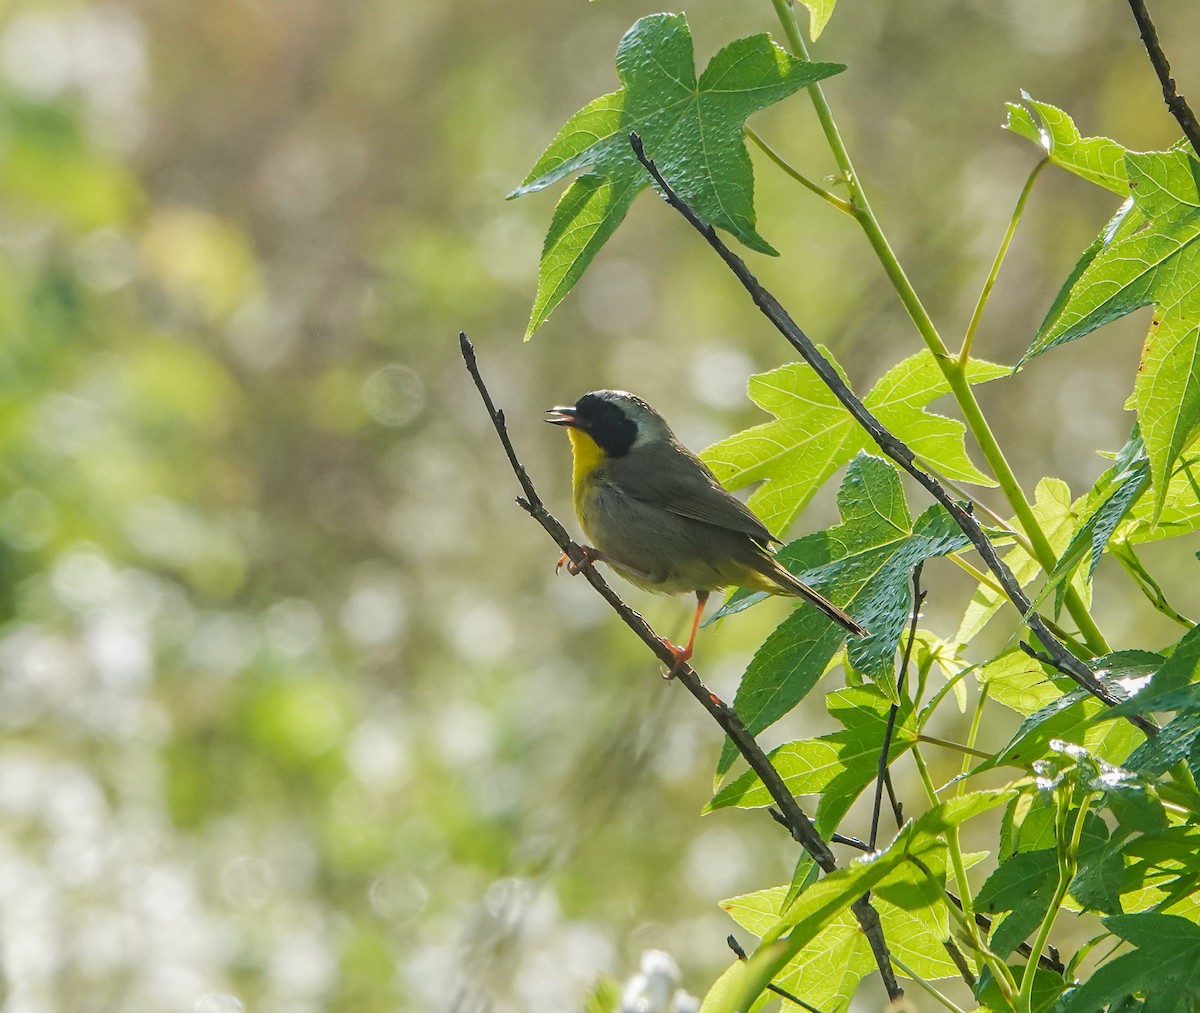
[(681, 655), (590, 555)]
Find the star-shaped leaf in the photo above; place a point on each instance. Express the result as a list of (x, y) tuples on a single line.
[(1097, 159), (1165, 967), (813, 435), (836, 766), (864, 565), (691, 127), (1147, 255)]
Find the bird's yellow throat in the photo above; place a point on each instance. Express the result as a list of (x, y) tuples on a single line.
[(587, 456)]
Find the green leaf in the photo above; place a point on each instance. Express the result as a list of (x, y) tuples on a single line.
[(1172, 687), (863, 565), (1147, 256), (1018, 682), (782, 672), (691, 128), (1109, 501), (1165, 967), (1097, 159), (819, 12), (819, 906), (813, 435), (721, 988), (827, 977), (872, 554), (1057, 516), (1179, 512), (1178, 740), (838, 765), (1072, 719)]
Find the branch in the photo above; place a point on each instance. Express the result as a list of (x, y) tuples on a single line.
[(798, 824), (1176, 103), (890, 444)]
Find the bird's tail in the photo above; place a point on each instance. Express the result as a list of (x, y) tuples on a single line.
[(790, 584)]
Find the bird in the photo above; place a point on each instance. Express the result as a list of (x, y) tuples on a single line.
[(657, 515)]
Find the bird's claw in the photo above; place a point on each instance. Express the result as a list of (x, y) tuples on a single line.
[(590, 555), (681, 655)]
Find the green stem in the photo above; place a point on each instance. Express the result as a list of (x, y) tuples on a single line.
[(972, 735), (958, 747), (1003, 976), (799, 177), (965, 352), (1042, 550), (1124, 553), (1068, 863), (927, 986), (951, 368)]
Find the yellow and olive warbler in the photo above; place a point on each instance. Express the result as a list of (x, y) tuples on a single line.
[(657, 515)]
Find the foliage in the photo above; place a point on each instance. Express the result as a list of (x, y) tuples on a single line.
[(1099, 816)]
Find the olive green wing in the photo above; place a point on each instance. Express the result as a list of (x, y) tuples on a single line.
[(670, 476)]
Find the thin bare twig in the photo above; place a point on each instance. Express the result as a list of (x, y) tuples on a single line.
[(798, 824), (733, 944), (890, 444), (1176, 103)]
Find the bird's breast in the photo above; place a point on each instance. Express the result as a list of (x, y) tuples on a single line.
[(587, 457)]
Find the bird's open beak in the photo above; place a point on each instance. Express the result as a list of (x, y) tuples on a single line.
[(562, 415)]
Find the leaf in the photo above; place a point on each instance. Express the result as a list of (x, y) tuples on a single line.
[(1018, 682), (782, 672), (813, 435), (1070, 718), (1097, 159), (1057, 517), (819, 12), (872, 554), (691, 128), (863, 565), (1172, 687), (824, 977), (1165, 967), (1178, 740), (1179, 512), (1109, 501), (1022, 885), (821, 904), (838, 765), (1148, 256), (720, 991)]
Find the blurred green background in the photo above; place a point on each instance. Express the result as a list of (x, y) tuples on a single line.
[(295, 712)]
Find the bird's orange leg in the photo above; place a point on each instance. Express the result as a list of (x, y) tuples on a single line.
[(682, 654), (590, 555)]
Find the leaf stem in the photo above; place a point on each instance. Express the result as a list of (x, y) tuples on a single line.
[(1068, 863), (958, 747), (1123, 551), (842, 205), (949, 365), (1004, 979), (965, 352), (972, 735), (934, 993)]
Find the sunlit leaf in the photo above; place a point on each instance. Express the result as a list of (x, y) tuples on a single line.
[(691, 127), (1097, 159), (813, 435), (1164, 967), (864, 565), (1148, 255)]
